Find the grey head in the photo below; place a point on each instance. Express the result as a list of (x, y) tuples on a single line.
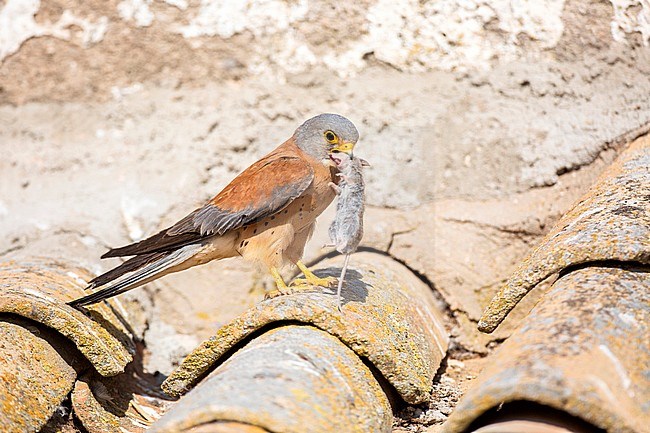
[(325, 135)]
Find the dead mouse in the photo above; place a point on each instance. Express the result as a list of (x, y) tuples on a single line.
[(346, 230)]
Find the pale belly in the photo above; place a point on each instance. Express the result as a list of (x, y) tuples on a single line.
[(279, 240)]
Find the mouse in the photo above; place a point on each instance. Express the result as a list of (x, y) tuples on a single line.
[(346, 231)]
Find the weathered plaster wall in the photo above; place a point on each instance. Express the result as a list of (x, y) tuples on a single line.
[(548, 84), (407, 34)]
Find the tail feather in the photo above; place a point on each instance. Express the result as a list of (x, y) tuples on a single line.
[(133, 264), (150, 271), (160, 242)]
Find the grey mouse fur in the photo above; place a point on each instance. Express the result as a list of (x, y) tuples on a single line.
[(346, 230)]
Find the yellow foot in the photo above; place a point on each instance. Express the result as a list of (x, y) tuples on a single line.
[(289, 290), (312, 279), (314, 282), (281, 289), (274, 294), (277, 292)]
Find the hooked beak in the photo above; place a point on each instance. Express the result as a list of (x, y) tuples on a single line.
[(343, 146)]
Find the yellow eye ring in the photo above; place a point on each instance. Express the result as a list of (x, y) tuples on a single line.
[(330, 137)]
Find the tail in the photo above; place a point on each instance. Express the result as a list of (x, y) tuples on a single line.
[(133, 264), (146, 268), (343, 271)]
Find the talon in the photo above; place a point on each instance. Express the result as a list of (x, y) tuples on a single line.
[(275, 293), (314, 282), (311, 278), (281, 289), (291, 289)]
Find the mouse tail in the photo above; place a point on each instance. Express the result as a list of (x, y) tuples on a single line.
[(341, 279)]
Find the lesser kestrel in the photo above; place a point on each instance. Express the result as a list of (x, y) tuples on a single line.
[(266, 215)]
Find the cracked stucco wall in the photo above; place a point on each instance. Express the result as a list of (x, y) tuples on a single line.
[(17, 25), (631, 17), (407, 34), (550, 82)]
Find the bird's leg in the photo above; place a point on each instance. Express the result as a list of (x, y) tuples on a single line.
[(281, 286), (295, 287), (310, 278)]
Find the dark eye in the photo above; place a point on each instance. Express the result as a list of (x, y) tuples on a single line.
[(330, 136)]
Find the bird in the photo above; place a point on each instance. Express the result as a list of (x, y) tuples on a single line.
[(266, 215)]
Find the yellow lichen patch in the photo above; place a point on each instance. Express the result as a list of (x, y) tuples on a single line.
[(389, 317), (92, 414), (226, 427), (203, 315), (583, 351), (34, 378), (39, 289), (118, 404), (290, 379), (610, 223)]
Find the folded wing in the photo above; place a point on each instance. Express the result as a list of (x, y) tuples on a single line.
[(263, 189)]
